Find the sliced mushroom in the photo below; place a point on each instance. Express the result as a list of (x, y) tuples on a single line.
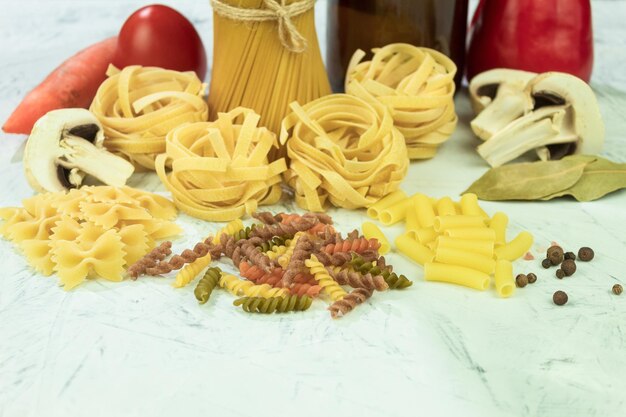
[(498, 98), (64, 146), (565, 120)]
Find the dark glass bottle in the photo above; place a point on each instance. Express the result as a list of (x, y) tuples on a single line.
[(366, 24)]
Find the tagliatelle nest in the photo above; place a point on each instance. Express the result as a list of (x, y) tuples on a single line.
[(138, 106), (417, 84), (220, 170), (344, 150)]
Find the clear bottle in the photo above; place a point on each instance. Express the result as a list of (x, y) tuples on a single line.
[(366, 24)]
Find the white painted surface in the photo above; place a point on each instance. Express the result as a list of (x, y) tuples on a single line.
[(142, 348)]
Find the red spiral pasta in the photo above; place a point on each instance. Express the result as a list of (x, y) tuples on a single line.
[(359, 245), (305, 289), (259, 276)]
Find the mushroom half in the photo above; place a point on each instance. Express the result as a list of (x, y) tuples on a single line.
[(498, 98), (565, 119), (66, 145)]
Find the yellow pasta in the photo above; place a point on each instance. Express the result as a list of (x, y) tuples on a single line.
[(230, 229), (265, 63), (445, 207), (395, 213), (498, 223), (239, 287), (505, 284), (391, 199), (38, 253), (191, 271), (344, 151), (460, 257), (482, 247), (442, 223), (425, 210), (469, 205), (472, 233), (411, 225), (138, 106), (516, 248), (414, 250), (417, 84), (371, 231), (425, 235), (220, 170), (108, 215), (276, 252), (284, 259), (456, 275), (324, 280), (136, 244)]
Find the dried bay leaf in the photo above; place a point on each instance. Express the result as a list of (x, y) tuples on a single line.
[(599, 178), (530, 180)]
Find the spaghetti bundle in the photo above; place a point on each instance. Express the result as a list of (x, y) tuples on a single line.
[(418, 86), (220, 169), (344, 150), (138, 106), (266, 55)]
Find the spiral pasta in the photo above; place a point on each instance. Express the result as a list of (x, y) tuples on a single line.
[(138, 106), (275, 304), (328, 284), (231, 229), (239, 287), (418, 86), (191, 271), (354, 245), (284, 259), (276, 252), (220, 169), (206, 284), (343, 150)]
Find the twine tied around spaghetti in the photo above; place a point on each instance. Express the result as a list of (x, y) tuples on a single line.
[(283, 13)]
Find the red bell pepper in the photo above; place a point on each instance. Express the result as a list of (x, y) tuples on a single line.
[(532, 35)]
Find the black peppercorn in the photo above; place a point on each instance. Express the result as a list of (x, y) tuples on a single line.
[(585, 254), (569, 267), (546, 263), (569, 255), (617, 289), (555, 254), (560, 273), (532, 278), (559, 298), (521, 280)]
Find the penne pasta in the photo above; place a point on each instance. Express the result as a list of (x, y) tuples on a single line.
[(482, 247), (394, 213), (374, 210), (371, 231), (516, 248), (442, 223), (505, 284), (498, 223), (460, 257), (454, 274), (414, 250), (445, 207), (425, 210), (471, 233)]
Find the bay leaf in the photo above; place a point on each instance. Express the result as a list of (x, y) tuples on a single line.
[(530, 180), (599, 178)]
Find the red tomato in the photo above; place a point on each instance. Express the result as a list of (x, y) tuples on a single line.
[(159, 36)]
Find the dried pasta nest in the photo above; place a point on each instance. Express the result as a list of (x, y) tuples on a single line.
[(343, 150), (417, 84), (138, 106), (220, 170)]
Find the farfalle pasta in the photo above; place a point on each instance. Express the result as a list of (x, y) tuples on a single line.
[(220, 170), (344, 151), (88, 232), (138, 106), (417, 84)]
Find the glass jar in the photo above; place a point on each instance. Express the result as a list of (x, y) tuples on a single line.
[(366, 24)]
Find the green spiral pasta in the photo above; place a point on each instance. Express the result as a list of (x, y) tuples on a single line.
[(275, 304), (206, 284), (243, 233), (395, 281)]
